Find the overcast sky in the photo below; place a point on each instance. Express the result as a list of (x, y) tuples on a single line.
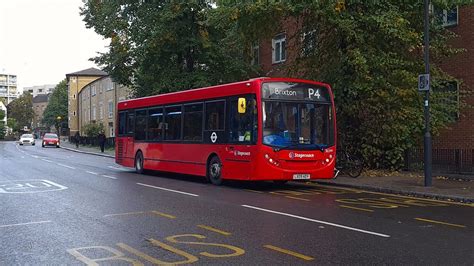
[(43, 40)]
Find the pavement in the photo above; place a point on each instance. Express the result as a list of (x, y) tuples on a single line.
[(403, 183)]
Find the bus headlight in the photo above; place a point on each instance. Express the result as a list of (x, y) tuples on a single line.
[(271, 160)]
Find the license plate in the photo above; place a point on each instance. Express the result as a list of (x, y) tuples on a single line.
[(51, 142), (301, 176)]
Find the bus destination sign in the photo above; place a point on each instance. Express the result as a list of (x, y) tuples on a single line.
[(295, 91)]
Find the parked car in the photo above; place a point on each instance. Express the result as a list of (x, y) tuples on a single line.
[(50, 139), (27, 139)]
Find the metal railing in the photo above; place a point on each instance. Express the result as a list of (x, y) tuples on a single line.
[(456, 161)]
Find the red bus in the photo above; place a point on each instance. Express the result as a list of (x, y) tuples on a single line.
[(276, 129)]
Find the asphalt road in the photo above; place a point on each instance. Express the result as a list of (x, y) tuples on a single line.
[(62, 207)]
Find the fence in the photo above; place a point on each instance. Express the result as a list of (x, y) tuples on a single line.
[(455, 161), (110, 142)]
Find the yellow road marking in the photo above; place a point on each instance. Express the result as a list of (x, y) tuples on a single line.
[(290, 197), (251, 190), (164, 214), (214, 230), (355, 208), (438, 222), (289, 252), (122, 214)]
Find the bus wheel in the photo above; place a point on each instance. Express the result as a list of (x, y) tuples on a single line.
[(139, 163), (214, 171)]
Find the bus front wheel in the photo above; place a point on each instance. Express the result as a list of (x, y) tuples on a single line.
[(139, 163), (214, 171)]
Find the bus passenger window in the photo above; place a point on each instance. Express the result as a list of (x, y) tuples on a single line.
[(243, 126), (155, 122), (193, 122), (140, 125), (130, 123), (122, 121), (172, 123), (215, 115)]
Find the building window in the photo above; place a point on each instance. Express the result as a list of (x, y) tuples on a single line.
[(101, 110), (74, 113), (111, 109), (94, 114), (279, 48), (448, 17), (255, 49)]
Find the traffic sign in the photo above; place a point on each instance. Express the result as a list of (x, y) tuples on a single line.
[(424, 82)]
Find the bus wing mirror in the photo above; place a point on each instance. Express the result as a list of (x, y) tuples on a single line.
[(242, 105)]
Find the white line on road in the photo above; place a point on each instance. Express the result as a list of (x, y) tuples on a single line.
[(117, 168), (108, 176), (316, 221), (167, 189), (67, 166), (11, 225), (34, 156), (92, 173), (46, 160)]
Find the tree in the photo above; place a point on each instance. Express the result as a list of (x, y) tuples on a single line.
[(371, 54), (21, 109), (2, 124), (57, 107), (162, 46), (93, 129)]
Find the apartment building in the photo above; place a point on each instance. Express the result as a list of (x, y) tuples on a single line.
[(97, 103), (41, 89), (8, 88), (40, 102), (76, 82)]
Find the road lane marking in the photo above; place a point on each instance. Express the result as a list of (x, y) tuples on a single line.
[(317, 221), (215, 230), (289, 252), (255, 191), (92, 173), (67, 166), (46, 160), (117, 168), (438, 222), (123, 214), (355, 208), (164, 214), (170, 190), (290, 197), (108, 176), (11, 225)]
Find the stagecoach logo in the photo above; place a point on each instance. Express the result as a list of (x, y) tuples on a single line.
[(213, 137), (294, 155), (241, 153)]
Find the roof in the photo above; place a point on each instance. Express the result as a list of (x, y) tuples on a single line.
[(41, 98), (94, 72)]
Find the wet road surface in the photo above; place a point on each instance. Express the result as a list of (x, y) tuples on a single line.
[(61, 207)]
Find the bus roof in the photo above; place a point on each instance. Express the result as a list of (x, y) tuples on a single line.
[(217, 91)]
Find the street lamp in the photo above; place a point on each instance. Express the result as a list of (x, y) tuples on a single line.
[(427, 135), (58, 118)]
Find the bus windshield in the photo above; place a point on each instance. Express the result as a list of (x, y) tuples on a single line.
[(298, 123)]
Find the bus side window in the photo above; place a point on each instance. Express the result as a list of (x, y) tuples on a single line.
[(215, 112), (122, 123), (243, 126), (130, 123)]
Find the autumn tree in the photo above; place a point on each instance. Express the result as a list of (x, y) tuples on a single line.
[(57, 107), (163, 46), (371, 52), (21, 109)]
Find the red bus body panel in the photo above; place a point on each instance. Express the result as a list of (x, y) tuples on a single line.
[(239, 161)]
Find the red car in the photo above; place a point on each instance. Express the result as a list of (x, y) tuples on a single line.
[(50, 139)]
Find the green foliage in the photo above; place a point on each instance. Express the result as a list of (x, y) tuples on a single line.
[(21, 109), (164, 46), (57, 107), (371, 53), (2, 124), (12, 123), (93, 129)]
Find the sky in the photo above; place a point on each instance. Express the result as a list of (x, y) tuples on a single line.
[(43, 40)]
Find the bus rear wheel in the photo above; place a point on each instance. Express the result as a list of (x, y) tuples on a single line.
[(214, 171), (139, 163)]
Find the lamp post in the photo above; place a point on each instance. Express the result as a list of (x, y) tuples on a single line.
[(427, 135), (58, 127)]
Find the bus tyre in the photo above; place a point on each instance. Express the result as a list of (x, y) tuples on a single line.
[(139, 163), (214, 171)]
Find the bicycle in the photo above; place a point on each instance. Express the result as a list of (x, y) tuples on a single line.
[(348, 163)]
